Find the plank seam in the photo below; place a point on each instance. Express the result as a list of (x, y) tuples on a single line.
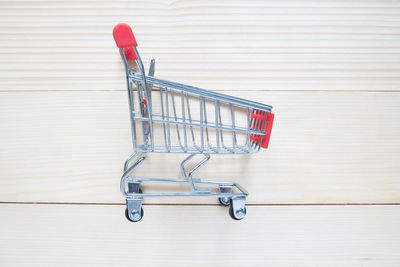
[(222, 90), (194, 204)]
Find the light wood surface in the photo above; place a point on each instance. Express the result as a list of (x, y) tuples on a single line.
[(97, 235), (244, 45), (326, 147), (330, 69)]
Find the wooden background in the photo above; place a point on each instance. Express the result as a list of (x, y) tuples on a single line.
[(326, 193)]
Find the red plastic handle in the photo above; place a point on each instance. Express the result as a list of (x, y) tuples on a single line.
[(123, 36), (125, 39)]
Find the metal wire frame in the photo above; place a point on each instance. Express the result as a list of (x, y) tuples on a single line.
[(176, 99), (176, 114)]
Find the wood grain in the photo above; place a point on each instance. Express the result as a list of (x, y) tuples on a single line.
[(230, 45), (85, 235), (326, 147), (330, 68)]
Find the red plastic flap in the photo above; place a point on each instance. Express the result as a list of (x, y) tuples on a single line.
[(257, 121), (267, 129), (123, 36)]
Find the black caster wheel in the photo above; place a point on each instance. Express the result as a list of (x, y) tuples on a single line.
[(225, 201), (137, 219), (236, 215)]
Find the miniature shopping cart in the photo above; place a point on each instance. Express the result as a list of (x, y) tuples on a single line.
[(169, 117)]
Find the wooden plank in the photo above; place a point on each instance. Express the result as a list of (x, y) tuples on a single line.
[(261, 45), (81, 235), (326, 147)]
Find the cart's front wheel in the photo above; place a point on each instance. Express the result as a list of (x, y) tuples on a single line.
[(237, 214), (225, 201), (135, 217)]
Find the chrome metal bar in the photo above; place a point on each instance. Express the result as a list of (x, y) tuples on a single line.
[(148, 100), (196, 123), (132, 117), (201, 124), (248, 127), (130, 170), (233, 126), (216, 121), (263, 126), (130, 98), (190, 120), (205, 122), (189, 175), (168, 122), (220, 124), (163, 117), (140, 101), (184, 120), (175, 117), (194, 149), (201, 92)]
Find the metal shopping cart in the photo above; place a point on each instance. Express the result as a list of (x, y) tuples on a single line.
[(169, 117)]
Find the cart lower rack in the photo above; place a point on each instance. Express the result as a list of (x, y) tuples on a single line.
[(169, 117)]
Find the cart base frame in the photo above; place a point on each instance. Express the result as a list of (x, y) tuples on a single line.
[(131, 188)]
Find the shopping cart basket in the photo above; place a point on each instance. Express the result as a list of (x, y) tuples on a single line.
[(169, 117)]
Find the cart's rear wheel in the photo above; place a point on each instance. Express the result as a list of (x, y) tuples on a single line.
[(238, 214), (136, 220), (225, 201), (136, 216)]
